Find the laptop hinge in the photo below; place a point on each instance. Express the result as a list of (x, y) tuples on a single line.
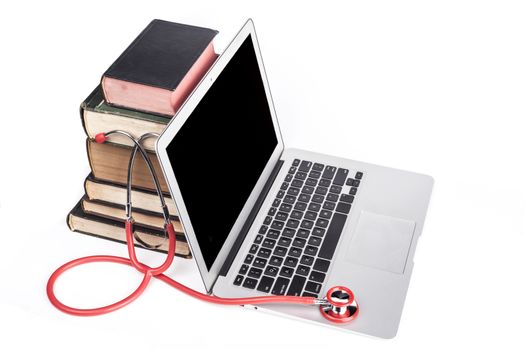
[(249, 221)]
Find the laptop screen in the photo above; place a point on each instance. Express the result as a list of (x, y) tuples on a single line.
[(221, 150)]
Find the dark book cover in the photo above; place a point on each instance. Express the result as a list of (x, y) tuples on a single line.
[(144, 61)]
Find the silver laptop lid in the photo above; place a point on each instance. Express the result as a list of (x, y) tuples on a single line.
[(219, 150)]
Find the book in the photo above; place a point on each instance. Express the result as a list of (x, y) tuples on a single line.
[(106, 192), (98, 116), (160, 68), (109, 162), (117, 212), (80, 221)]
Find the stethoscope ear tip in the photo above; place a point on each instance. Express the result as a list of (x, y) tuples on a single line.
[(100, 137)]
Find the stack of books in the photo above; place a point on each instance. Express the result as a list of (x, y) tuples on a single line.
[(140, 92)]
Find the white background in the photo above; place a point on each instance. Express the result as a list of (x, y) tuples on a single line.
[(433, 87)]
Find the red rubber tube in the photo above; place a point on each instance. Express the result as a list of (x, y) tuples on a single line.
[(150, 272)]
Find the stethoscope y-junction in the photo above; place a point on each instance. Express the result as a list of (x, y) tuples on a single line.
[(338, 306)]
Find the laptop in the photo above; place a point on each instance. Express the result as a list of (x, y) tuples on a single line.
[(262, 219)]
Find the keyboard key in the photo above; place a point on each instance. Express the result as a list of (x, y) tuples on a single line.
[(249, 283), (302, 233), (315, 241), (285, 207), (280, 195), (299, 242), (313, 287), (347, 198), (321, 222), (305, 166), (268, 243), (301, 206), (292, 223), (317, 198), (308, 189), (300, 175), (292, 170), (243, 269), (311, 250), (263, 229), (258, 239), (296, 214), (310, 215), (332, 236), (276, 202), (255, 273), (238, 280), (321, 190), (321, 265), (307, 260), (265, 285), (311, 182), (314, 207), (275, 261), (325, 214), (259, 262), (280, 251), (319, 232), (253, 248), (308, 294), (329, 172), (353, 190), (318, 167), (356, 183), (277, 225), (302, 270), (289, 199), (293, 191), (296, 162), (336, 189), (325, 182), (272, 211), (332, 197), (359, 175), (340, 176), (248, 259), (304, 197), (317, 276), (290, 261), (273, 234), (284, 185), (288, 178), (286, 272), (307, 224), (280, 286), (281, 215), (295, 252), (297, 183), (267, 220), (314, 174), (349, 182), (285, 242), (271, 270), (288, 232), (329, 205), (296, 287), (343, 207), (264, 253)]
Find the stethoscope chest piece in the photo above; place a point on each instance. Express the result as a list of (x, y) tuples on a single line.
[(340, 306)]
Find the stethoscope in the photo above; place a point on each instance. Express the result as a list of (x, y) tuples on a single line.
[(338, 306)]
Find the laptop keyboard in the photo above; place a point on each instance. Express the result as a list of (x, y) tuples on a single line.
[(292, 252)]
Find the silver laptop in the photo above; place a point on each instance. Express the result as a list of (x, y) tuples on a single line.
[(263, 219)]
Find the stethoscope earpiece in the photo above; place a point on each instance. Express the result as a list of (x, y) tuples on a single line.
[(340, 305)]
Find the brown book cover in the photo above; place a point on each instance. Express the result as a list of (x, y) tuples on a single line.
[(80, 221)]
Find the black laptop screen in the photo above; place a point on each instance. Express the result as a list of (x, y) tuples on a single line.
[(221, 150)]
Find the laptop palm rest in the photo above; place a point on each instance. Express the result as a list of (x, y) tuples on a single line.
[(381, 242)]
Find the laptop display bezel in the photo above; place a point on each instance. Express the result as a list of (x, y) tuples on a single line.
[(210, 276)]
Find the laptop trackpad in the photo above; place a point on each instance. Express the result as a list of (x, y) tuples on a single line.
[(382, 242)]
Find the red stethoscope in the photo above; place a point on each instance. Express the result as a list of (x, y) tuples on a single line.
[(339, 305)]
